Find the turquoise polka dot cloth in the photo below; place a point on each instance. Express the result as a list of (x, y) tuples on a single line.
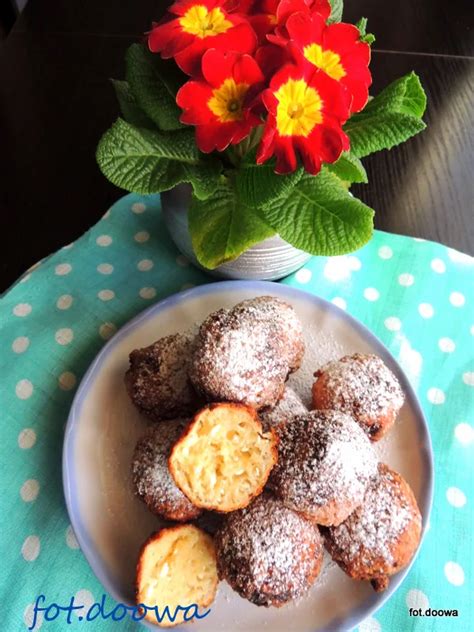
[(416, 296)]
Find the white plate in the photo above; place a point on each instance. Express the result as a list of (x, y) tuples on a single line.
[(103, 426)]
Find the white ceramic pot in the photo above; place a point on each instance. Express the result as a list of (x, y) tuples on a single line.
[(268, 260)]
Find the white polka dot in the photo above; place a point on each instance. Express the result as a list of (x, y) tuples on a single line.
[(71, 539), (304, 275), (67, 381), (25, 278), (457, 299), (106, 295), (411, 361), (417, 599), (418, 239), (106, 215), (64, 336), (340, 268), (138, 208), (460, 257), (105, 268), (385, 252), (438, 265), (84, 598), (29, 617), (436, 396), (454, 573), (371, 294), (426, 310), (24, 389), (31, 548), (464, 433), (64, 301), (182, 261), (354, 263), (455, 497), (148, 292), (142, 236), (406, 279), (144, 265), (370, 625), (22, 309), (20, 344), (29, 490), (392, 323), (340, 302), (68, 246), (468, 378), (187, 286), (107, 330), (62, 269), (447, 345), (27, 438), (103, 240)]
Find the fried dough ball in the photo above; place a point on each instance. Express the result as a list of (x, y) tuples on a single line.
[(362, 386), (325, 464), (289, 407), (380, 537), (223, 458), (268, 553)]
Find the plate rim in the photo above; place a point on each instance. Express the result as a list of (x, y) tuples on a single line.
[(92, 555)]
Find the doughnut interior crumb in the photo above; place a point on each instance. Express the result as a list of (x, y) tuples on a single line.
[(177, 567), (224, 458)]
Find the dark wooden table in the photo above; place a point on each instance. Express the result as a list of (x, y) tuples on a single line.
[(56, 100)]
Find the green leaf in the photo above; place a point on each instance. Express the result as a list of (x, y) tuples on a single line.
[(388, 119), (348, 168), (129, 107), (321, 217), (145, 161), (223, 227), (258, 185), (337, 7), (368, 38), (154, 83)]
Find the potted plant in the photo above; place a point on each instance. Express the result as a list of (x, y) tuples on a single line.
[(253, 116)]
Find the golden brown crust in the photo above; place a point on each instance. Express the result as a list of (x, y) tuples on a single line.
[(167, 585), (380, 537), (223, 458)]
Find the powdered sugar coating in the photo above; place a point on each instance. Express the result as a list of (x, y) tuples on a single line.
[(157, 380), (362, 386), (151, 477), (289, 407), (379, 537), (245, 354), (325, 464), (268, 553)]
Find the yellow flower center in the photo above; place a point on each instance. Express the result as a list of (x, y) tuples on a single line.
[(227, 100), (299, 108), (199, 21), (327, 60)]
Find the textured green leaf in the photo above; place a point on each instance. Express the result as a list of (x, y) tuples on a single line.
[(321, 217), (368, 38), (222, 227), (155, 82), (258, 185), (129, 107), (348, 168), (388, 119), (145, 161), (337, 7)]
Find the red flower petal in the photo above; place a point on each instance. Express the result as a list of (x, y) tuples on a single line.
[(192, 97)]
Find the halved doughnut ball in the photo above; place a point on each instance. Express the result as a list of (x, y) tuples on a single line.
[(362, 386), (223, 459), (380, 537), (268, 553), (176, 568)]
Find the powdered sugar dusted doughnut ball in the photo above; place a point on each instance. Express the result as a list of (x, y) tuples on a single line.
[(151, 477), (362, 386), (245, 354), (325, 464), (382, 535), (157, 380), (288, 407), (268, 553)]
